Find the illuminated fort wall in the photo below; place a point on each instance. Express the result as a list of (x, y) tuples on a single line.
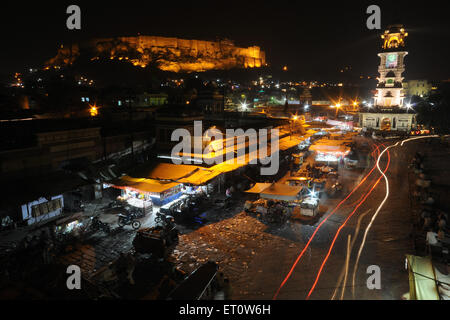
[(176, 55)]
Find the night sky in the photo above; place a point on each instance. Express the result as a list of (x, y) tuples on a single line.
[(315, 38)]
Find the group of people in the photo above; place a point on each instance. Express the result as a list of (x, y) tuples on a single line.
[(434, 220)]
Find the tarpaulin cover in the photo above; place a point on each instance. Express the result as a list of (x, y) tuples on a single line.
[(276, 191), (143, 185), (258, 188), (422, 283), (280, 191)]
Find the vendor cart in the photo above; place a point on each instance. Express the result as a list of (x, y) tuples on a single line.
[(309, 207)]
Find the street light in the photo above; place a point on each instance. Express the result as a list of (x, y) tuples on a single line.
[(338, 105), (313, 194), (408, 106), (93, 111)]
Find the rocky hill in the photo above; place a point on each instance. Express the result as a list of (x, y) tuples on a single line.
[(167, 54)]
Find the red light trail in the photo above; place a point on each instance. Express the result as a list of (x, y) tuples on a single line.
[(368, 187), (343, 225), (319, 226)]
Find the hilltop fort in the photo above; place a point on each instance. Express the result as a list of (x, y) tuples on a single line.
[(168, 54)]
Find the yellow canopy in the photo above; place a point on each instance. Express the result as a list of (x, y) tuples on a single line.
[(422, 279), (143, 185)]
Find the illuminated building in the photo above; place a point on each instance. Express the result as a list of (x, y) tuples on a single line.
[(390, 111), (417, 88)]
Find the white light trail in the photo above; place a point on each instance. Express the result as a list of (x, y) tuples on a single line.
[(380, 206), (345, 269), (373, 217), (416, 138)]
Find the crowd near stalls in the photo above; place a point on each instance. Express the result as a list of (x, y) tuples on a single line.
[(431, 227), (314, 163), (333, 147)]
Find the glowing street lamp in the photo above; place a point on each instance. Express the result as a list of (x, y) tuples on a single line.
[(93, 111), (244, 106), (408, 106), (313, 194)]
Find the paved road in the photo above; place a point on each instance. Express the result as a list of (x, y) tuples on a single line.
[(387, 243)]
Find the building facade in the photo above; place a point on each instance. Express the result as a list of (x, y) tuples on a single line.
[(390, 111), (419, 88)]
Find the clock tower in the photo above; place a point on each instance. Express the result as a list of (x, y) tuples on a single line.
[(390, 89), (390, 111)]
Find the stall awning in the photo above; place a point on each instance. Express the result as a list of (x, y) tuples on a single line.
[(280, 191), (258, 188), (169, 171), (422, 283), (330, 147), (187, 174), (291, 141), (143, 185), (276, 191)]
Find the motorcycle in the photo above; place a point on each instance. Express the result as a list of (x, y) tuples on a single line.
[(98, 225), (164, 219), (129, 219), (136, 212)]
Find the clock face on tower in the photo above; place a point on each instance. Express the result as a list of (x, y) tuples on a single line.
[(391, 60)]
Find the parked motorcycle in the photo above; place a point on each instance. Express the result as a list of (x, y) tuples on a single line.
[(98, 225), (164, 219), (136, 212), (129, 219)]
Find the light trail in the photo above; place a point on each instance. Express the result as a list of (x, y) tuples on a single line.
[(417, 138), (347, 262), (342, 226), (355, 237), (366, 189), (317, 229), (363, 242)]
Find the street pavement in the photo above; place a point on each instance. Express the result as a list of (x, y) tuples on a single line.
[(268, 253), (387, 243)]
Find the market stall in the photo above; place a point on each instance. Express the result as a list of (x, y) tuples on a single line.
[(330, 151), (277, 191), (142, 192)]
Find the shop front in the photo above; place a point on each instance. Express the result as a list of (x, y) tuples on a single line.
[(144, 193), (137, 199)]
